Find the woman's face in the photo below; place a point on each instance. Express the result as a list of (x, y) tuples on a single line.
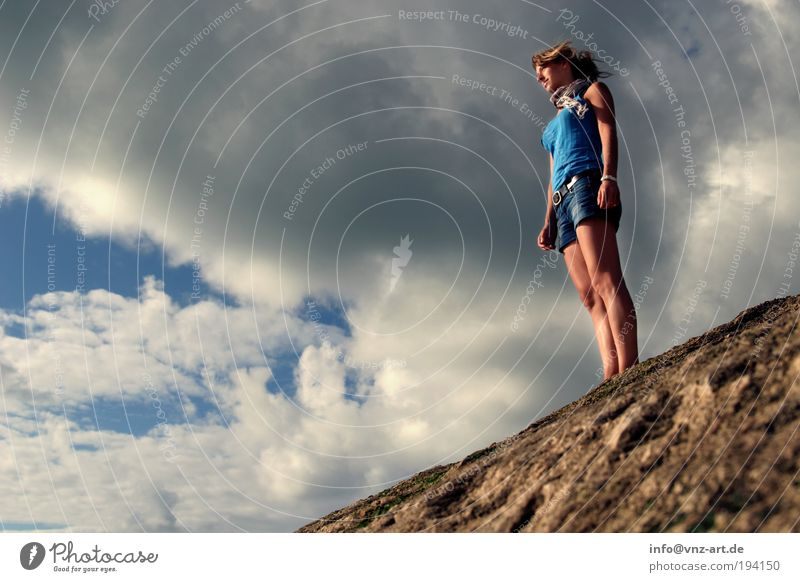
[(553, 75)]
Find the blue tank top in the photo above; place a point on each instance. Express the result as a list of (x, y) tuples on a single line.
[(574, 143)]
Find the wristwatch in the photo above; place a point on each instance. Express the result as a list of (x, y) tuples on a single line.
[(608, 177)]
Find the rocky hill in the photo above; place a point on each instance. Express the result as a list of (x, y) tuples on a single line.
[(701, 438)]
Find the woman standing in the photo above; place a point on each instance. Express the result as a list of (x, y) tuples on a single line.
[(583, 201)]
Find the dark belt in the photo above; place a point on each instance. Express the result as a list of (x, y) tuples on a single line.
[(565, 188)]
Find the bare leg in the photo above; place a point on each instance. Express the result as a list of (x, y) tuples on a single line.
[(598, 241), (579, 274)]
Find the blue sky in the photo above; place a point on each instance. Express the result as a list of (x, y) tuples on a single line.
[(31, 232)]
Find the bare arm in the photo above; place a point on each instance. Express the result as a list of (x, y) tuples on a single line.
[(599, 96), (549, 232), (550, 217), (602, 102)]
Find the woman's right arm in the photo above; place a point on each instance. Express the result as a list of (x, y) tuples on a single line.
[(547, 236), (550, 217)]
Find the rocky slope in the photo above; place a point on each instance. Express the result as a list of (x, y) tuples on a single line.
[(701, 438)]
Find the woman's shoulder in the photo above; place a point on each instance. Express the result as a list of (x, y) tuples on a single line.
[(598, 88)]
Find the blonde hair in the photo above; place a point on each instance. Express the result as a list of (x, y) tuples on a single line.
[(582, 62)]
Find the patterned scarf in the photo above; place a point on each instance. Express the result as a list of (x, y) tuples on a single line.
[(564, 96)]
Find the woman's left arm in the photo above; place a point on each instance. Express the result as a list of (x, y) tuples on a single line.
[(599, 96)]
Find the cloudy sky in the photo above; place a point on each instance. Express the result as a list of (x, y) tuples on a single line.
[(265, 258)]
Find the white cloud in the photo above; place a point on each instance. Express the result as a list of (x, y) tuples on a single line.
[(283, 458)]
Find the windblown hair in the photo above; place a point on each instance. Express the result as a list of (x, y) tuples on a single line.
[(582, 62)]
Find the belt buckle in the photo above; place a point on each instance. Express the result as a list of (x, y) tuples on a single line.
[(572, 181), (558, 196)]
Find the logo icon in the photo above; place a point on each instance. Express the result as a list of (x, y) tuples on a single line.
[(399, 262), (31, 555)]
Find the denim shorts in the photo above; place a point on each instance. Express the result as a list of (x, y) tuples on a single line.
[(581, 203)]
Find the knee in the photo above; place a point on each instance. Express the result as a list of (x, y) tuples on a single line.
[(590, 299), (604, 287)]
